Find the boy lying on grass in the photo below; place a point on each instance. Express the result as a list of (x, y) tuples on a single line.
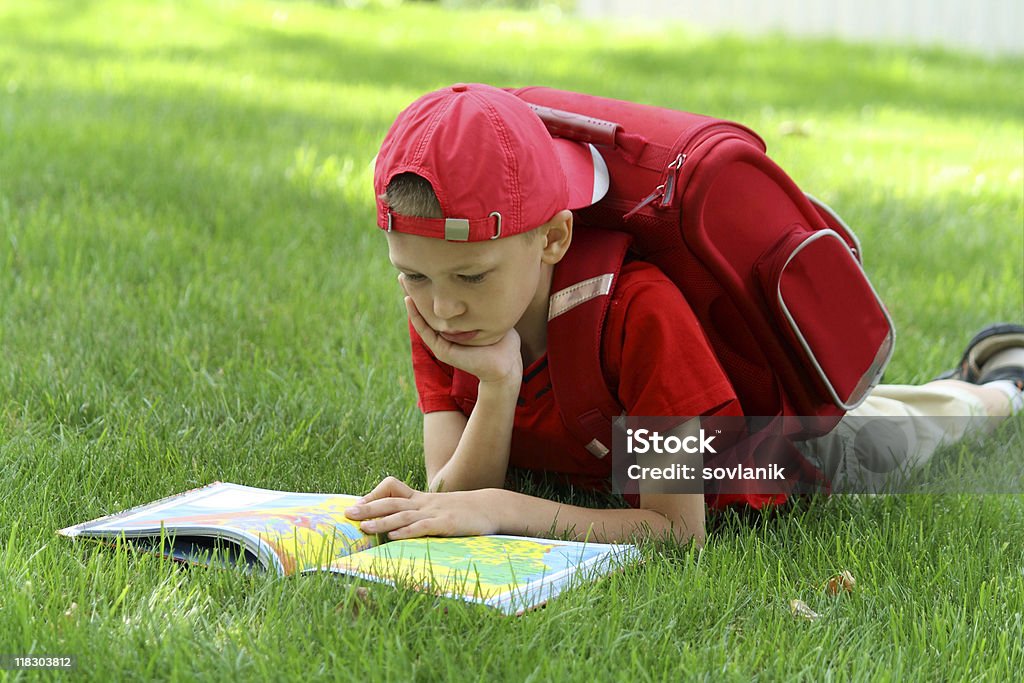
[(476, 199)]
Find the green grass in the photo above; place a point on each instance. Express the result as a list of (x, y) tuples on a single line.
[(192, 288)]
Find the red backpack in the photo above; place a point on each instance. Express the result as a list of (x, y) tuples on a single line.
[(773, 276)]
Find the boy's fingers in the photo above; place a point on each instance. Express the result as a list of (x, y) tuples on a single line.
[(437, 344), (383, 525), (389, 487), (377, 511), (381, 508), (423, 527), (396, 487), (414, 316)]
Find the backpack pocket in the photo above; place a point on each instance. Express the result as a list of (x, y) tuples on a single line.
[(829, 313)]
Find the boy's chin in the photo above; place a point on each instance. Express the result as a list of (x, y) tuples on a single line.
[(482, 340)]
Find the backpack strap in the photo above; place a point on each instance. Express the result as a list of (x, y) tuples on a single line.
[(580, 297)]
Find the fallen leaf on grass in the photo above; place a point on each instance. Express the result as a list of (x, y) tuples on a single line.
[(799, 608), (843, 581), (360, 600)]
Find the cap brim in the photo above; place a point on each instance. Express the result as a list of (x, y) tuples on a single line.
[(584, 169)]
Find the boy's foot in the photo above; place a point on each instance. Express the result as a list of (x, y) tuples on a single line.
[(995, 353)]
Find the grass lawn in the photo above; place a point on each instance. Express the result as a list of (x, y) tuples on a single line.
[(192, 288)]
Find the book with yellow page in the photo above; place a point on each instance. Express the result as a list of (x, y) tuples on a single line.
[(292, 533)]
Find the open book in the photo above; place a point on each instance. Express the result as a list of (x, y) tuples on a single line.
[(292, 533)]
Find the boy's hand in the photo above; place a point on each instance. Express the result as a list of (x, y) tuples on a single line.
[(498, 362), (395, 509)]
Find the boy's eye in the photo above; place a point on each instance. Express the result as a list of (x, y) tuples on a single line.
[(473, 279), (413, 277)]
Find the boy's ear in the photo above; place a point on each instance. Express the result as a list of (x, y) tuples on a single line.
[(557, 235)]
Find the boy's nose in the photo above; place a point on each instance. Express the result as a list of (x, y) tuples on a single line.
[(446, 308)]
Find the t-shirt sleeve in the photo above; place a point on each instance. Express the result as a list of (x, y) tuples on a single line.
[(656, 352), (433, 378)]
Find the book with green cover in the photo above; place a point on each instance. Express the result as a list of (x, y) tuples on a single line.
[(292, 533)]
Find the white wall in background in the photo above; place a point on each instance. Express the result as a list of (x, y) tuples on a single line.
[(990, 27)]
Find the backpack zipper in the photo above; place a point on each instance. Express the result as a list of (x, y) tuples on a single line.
[(658, 193), (664, 193), (671, 175)]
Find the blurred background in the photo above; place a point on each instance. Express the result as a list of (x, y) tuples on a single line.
[(989, 27)]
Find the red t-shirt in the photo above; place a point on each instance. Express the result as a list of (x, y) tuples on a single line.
[(655, 358)]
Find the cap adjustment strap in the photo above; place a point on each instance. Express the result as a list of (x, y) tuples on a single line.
[(451, 229)]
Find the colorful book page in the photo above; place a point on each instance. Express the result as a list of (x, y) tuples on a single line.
[(305, 530), (509, 572)]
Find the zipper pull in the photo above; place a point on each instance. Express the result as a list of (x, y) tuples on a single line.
[(658, 193), (669, 188)]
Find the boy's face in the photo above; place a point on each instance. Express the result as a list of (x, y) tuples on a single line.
[(471, 293)]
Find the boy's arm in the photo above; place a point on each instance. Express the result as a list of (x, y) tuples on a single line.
[(461, 453), (660, 516), (471, 453), (442, 431), (402, 512)]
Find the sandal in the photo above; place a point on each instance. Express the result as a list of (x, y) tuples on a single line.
[(986, 344)]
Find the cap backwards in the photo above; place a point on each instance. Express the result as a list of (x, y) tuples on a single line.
[(493, 165)]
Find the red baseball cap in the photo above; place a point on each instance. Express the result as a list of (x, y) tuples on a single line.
[(493, 165)]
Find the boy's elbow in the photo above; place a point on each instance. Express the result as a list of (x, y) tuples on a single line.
[(681, 533), (690, 531), (682, 516)]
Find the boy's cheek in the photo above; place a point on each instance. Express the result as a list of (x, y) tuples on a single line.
[(424, 308)]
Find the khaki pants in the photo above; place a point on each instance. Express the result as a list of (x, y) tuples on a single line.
[(894, 431)]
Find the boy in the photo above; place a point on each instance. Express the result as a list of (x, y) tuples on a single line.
[(476, 199)]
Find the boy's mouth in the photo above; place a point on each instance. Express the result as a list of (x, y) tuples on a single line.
[(459, 337)]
